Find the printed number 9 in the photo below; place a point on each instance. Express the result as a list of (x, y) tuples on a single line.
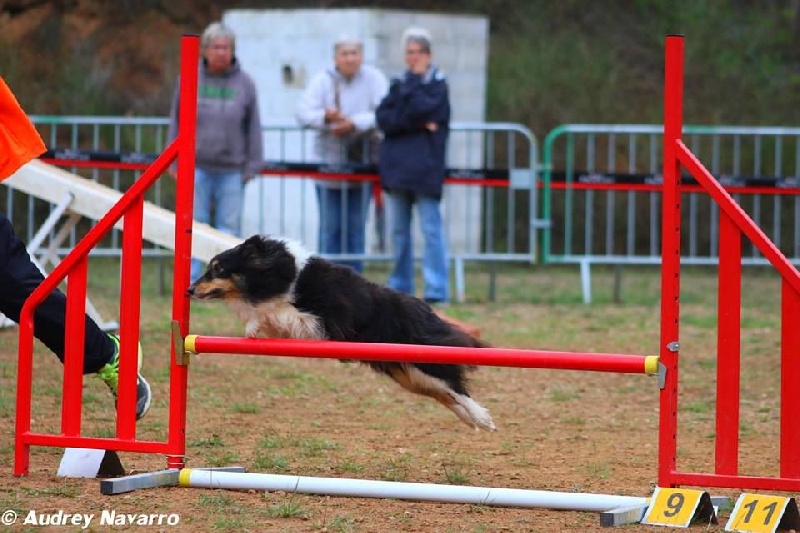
[(674, 504)]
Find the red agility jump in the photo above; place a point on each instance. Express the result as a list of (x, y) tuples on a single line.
[(733, 224), (130, 206)]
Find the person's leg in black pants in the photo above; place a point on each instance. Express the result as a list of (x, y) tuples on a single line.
[(19, 277)]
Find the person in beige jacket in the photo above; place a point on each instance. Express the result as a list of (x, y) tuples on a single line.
[(339, 104)]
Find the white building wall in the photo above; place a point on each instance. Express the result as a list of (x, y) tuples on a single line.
[(270, 44)]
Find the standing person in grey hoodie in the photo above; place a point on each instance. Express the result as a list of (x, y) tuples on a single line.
[(229, 149), (339, 103)]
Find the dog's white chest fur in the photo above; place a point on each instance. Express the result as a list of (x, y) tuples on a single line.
[(278, 319)]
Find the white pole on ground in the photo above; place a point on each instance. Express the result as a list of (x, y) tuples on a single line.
[(431, 492)]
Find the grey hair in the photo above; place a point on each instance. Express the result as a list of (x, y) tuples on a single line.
[(419, 36), (347, 40), (216, 30)]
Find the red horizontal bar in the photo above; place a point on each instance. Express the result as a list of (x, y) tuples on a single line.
[(123, 445), (645, 187), (412, 353), (375, 178), (625, 187), (111, 165), (735, 482)]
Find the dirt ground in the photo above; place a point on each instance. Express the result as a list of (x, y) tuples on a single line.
[(562, 431)]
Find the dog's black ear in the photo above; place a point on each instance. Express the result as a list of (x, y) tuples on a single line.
[(252, 247)]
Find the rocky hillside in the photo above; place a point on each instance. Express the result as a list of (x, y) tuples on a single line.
[(550, 62), (120, 56), (95, 56)]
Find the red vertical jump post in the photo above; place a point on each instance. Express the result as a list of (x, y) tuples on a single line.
[(734, 223), (670, 260), (74, 267), (184, 213)]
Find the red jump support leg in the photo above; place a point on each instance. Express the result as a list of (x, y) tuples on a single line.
[(187, 120), (22, 450), (729, 327), (790, 373), (130, 311), (671, 260), (74, 348)]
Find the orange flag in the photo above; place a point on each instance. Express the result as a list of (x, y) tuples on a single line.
[(19, 140)]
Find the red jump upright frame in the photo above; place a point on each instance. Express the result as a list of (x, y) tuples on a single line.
[(734, 223), (130, 209)]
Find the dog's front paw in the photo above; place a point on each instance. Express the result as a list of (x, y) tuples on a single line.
[(251, 329)]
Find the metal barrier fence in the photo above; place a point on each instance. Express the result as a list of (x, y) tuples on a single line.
[(482, 216), (145, 135), (485, 220), (599, 201), (601, 191)]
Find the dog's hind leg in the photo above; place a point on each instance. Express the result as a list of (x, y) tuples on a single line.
[(466, 409)]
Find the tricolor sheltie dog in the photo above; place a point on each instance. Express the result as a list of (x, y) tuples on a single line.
[(282, 291)]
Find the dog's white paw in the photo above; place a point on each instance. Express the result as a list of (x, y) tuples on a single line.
[(251, 329), (480, 416), (472, 413)]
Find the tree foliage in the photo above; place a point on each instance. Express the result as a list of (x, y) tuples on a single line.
[(549, 63)]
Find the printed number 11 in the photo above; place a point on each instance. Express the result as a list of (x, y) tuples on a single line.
[(751, 507)]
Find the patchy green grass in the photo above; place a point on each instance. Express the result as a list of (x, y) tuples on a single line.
[(349, 466), (245, 408), (218, 501), (270, 463), (455, 475), (600, 470), (559, 395), (338, 524), (221, 459), (64, 488), (287, 508), (214, 441)]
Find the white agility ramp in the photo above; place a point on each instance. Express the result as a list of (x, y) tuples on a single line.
[(93, 200), (76, 197)]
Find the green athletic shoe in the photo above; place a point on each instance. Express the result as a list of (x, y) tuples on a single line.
[(110, 376)]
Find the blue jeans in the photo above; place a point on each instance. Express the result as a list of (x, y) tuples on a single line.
[(225, 191), (343, 220), (434, 259)]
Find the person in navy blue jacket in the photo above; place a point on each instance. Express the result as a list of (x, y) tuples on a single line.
[(414, 118)]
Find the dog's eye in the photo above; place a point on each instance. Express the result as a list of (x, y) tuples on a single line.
[(217, 270)]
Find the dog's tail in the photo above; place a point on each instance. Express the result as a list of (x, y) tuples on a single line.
[(453, 336)]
